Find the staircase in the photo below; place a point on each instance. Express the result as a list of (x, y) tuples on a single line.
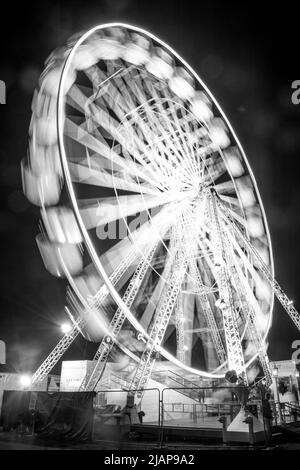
[(167, 378), (173, 380), (120, 381)]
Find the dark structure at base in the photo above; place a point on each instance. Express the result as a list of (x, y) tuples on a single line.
[(61, 415)]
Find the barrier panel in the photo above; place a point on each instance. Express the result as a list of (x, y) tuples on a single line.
[(199, 409), (153, 416), (61, 416), (120, 415)]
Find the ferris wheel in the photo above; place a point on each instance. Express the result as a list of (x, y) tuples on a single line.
[(149, 209)]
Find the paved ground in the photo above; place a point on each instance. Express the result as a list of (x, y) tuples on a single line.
[(13, 441)]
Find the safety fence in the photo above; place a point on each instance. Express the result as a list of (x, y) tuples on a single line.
[(154, 416), (202, 414)]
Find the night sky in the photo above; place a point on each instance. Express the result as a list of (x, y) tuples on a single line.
[(246, 54)]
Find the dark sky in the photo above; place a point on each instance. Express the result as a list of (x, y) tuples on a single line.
[(246, 53)]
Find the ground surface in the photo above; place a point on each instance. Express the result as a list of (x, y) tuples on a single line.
[(13, 441)]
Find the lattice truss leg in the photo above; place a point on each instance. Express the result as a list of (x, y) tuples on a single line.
[(235, 354), (254, 332), (246, 295), (261, 265), (183, 247), (207, 312), (178, 308), (62, 346), (179, 325), (80, 305), (116, 324), (241, 287)]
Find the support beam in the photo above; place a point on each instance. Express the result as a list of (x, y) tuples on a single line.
[(66, 341), (90, 382), (235, 354), (179, 325), (254, 332), (57, 352), (208, 313), (164, 309), (277, 289)]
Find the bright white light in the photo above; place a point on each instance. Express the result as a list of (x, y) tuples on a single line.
[(235, 166), (262, 322), (46, 130), (44, 159), (245, 193), (135, 54), (59, 259), (218, 133), (25, 380), (51, 81), (185, 348), (262, 290), (201, 107), (84, 58), (159, 68), (42, 189), (66, 328), (255, 226), (275, 371), (107, 49), (181, 87), (61, 225), (220, 304)]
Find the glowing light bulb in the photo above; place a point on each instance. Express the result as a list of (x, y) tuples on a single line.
[(66, 328), (25, 380)]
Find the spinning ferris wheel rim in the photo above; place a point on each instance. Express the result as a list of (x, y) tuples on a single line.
[(91, 249)]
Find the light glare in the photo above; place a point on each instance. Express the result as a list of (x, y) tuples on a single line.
[(66, 328), (25, 380)]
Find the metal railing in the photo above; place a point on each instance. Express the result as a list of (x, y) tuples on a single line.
[(164, 413), (285, 412)]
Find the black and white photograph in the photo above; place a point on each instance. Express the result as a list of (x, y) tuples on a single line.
[(150, 229)]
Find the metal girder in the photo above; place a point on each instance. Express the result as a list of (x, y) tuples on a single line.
[(69, 337), (106, 345), (178, 307), (255, 335), (115, 276), (163, 312), (277, 289), (179, 325), (208, 313), (235, 354), (57, 352)]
